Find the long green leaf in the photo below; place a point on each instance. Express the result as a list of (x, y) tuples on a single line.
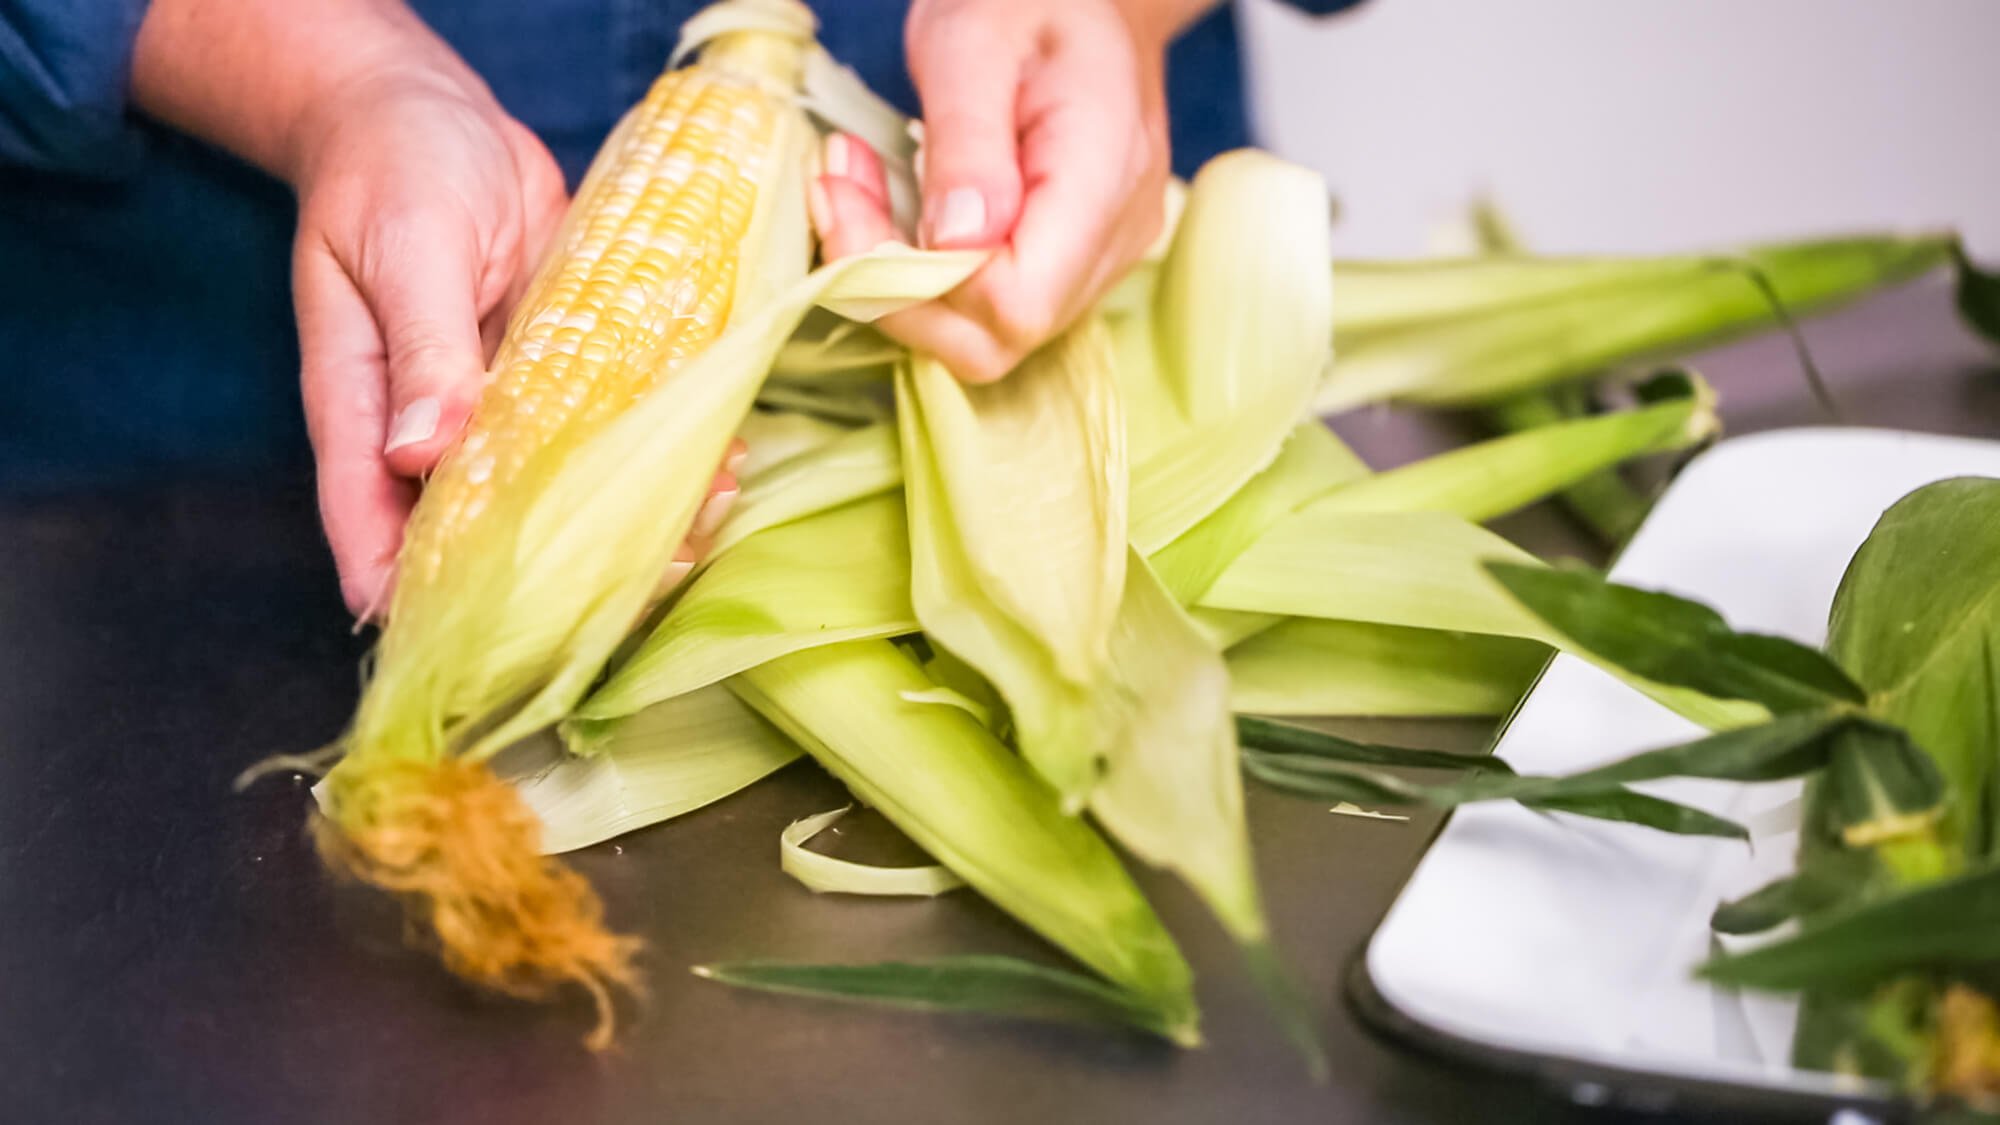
[(980, 984), (1288, 738), (1671, 640), (1786, 746), (1938, 925), (1342, 775)]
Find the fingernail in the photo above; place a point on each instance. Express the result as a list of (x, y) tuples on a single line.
[(414, 423), (677, 572), (819, 207), (714, 510), (734, 464), (839, 156), (962, 216)]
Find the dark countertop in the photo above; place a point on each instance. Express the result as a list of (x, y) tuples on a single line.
[(170, 952)]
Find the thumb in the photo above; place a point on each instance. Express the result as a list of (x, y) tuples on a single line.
[(971, 165), (422, 293)]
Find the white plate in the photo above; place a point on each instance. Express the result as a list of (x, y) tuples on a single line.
[(1571, 938)]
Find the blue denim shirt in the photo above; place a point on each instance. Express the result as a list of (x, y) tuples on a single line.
[(145, 309)]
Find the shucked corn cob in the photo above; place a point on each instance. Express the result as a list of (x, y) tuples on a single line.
[(643, 279), (684, 222)]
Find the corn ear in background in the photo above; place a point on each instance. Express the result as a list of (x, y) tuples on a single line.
[(1472, 331)]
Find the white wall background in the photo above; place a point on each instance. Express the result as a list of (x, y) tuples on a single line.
[(1640, 125)]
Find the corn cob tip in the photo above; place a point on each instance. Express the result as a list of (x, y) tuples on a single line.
[(462, 851)]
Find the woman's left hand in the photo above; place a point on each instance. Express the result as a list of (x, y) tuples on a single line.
[(1045, 139)]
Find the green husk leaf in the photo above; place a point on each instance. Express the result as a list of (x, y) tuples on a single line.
[(1171, 791), (840, 575), (1223, 365), (1787, 746), (1312, 461), (1340, 774), (1310, 666), (960, 794), (1494, 477), (667, 760), (1289, 738), (1955, 922), (773, 437), (1416, 569), (1039, 445), (857, 463), (1670, 640), (1606, 503), (981, 984), (825, 874), (1812, 889)]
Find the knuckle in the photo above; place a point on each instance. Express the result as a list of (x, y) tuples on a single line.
[(1022, 321)]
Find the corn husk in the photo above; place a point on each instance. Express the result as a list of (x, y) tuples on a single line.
[(1475, 330), (672, 758), (1221, 366), (827, 874), (1312, 461), (960, 794), (1309, 666), (1421, 570), (1016, 495), (858, 463), (840, 575)]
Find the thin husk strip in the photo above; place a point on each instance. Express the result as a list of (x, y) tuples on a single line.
[(827, 874)]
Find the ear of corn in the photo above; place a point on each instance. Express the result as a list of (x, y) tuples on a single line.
[(635, 355), (1483, 328)]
